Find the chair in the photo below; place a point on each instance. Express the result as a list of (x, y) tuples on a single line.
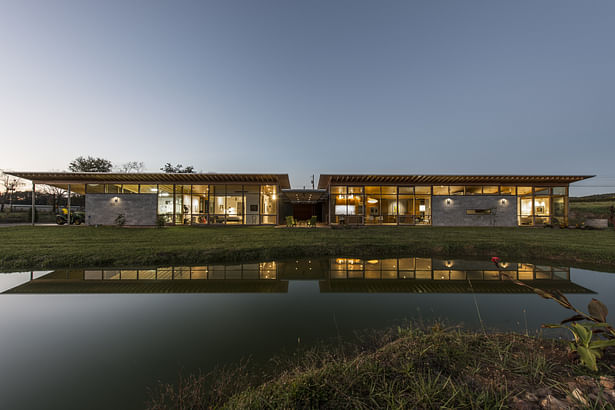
[(290, 221), (312, 222)]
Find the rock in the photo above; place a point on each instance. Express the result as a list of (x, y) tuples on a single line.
[(530, 397), (607, 382), (543, 391), (552, 403), (519, 404), (578, 395)]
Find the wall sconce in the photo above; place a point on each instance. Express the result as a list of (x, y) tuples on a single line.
[(504, 264), (116, 199), (448, 201), (448, 264), (503, 201)]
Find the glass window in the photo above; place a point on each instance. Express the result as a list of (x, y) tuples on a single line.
[(541, 190), (490, 190), (508, 190), (372, 190), (355, 189), (165, 202), (95, 189), (542, 206), (130, 189), (114, 188), (559, 190), (148, 189), (338, 189), (406, 190), (422, 190), (388, 190), (474, 190), (524, 190), (457, 190), (269, 203), (440, 190)]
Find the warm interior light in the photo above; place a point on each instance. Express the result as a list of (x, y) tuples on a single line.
[(154, 189), (372, 261), (504, 264), (372, 201), (448, 264), (421, 208)]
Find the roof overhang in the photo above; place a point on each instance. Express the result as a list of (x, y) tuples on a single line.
[(304, 196), (64, 178), (326, 180)]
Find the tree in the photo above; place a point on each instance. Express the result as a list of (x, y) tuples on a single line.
[(54, 194), (90, 164), (131, 166), (177, 169), (10, 185)]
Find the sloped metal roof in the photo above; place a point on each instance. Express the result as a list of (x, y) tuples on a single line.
[(340, 179), (62, 178)]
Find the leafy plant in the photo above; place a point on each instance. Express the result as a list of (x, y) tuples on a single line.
[(161, 221), (588, 350), (120, 220), (585, 345)]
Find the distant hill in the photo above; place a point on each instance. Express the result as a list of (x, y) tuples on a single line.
[(593, 198)]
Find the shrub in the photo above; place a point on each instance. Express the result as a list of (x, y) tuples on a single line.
[(120, 220)]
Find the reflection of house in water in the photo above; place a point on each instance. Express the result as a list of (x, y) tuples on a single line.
[(410, 275)]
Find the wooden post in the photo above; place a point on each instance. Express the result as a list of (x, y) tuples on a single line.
[(68, 215), (33, 203)]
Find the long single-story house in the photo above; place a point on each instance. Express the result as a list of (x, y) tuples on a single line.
[(340, 199)]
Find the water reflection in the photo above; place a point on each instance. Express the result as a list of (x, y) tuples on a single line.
[(409, 275)]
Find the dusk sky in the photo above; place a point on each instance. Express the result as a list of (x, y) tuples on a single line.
[(303, 87)]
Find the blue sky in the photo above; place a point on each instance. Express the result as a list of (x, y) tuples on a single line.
[(312, 86)]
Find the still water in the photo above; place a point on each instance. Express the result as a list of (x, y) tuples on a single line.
[(97, 338)]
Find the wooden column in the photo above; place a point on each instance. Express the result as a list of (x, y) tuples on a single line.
[(68, 206), (33, 203)]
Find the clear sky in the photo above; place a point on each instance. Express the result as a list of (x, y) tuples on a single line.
[(312, 86)]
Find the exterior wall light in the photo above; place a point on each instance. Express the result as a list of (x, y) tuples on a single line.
[(448, 264), (448, 201), (116, 199), (503, 201)]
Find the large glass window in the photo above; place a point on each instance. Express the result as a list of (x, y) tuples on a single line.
[(165, 202), (251, 204), (199, 203), (269, 204)]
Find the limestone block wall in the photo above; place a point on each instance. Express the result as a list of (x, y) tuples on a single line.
[(138, 209), (503, 210)]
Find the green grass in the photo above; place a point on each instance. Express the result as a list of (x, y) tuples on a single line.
[(436, 368), (579, 211), (57, 247)]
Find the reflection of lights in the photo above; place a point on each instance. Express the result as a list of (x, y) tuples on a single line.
[(273, 197), (504, 264), (372, 261), (164, 194), (372, 201), (154, 189), (448, 264)]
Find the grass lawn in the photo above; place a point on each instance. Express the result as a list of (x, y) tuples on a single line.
[(57, 247), (410, 368)]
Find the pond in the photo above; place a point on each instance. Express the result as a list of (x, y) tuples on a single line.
[(98, 338)]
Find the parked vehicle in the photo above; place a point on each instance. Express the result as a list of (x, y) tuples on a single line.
[(76, 217)]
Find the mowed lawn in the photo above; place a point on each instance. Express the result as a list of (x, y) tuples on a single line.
[(62, 246)]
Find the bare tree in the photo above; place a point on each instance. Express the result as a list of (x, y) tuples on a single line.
[(10, 184), (131, 166), (55, 194)]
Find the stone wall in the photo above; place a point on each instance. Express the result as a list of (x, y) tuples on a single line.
[(503, 210), (138, 209)]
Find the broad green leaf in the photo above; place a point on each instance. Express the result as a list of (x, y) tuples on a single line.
[(601, 344), (583, 334), (587, 358), (598, 310)]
